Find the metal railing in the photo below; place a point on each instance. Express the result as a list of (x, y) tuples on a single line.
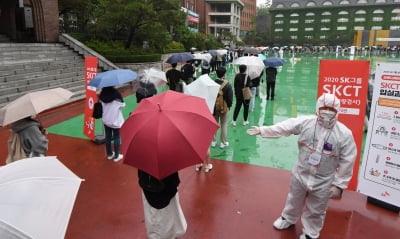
[(82, 49)]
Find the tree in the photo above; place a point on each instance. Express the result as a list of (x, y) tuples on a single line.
[(129, 19)]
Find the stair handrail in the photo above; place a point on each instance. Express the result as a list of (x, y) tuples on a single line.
[(86, 51)]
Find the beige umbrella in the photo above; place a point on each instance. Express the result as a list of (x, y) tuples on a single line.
[(33, 103)]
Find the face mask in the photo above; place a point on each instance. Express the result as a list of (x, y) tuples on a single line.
[(327, 114), (327, 118)]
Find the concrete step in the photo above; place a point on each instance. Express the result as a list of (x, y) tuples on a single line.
[(37, 73)]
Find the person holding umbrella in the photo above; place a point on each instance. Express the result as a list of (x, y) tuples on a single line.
[(241, 80), (173, 78), (271, 73), (32, 138), (112, 102), (163, 214)]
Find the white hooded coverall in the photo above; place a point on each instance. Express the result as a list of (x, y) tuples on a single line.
[(310, 183)]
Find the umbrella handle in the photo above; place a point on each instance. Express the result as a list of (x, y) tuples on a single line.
[(159, 106)]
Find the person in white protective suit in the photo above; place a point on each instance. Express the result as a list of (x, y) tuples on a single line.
[(327, 152)]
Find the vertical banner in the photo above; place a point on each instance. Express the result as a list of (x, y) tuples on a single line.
[(380, 170), (348, 80), (91, 96)]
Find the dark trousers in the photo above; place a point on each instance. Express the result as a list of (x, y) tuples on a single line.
[(239, 103), (112, 135), (270, 90)]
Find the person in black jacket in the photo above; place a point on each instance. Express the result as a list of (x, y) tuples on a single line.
[(271, 78), (173, 78), (241, 80), (162, 211)]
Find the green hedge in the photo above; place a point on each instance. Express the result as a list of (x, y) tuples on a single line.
[(133, 59)]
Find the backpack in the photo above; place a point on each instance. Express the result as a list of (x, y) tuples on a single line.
[(97, 110), (220, 104)]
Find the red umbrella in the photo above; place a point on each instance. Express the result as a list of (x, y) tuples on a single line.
[(167, 132)]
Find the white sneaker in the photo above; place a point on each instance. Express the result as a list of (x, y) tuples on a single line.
[(120, 156), (234, 123), (111, 156), (213, 143), (281, 223), (223, 145), (246, 122)]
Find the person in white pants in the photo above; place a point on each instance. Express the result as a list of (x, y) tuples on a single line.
[(327, 152)]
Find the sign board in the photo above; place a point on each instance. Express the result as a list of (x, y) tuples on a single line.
[(380, 170), (348, 80), (91, 96)]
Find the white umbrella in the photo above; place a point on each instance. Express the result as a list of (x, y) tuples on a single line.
[(254, 65), (222, 52), (203, 87), (153, 75), (36, 198), (203, 56), (32, 103)]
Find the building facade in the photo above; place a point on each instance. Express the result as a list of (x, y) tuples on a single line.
[(217, 16), (335, 21), (246, 19), (29, 20)]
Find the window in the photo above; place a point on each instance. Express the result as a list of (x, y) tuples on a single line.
[(322, 37), (327, 3), (280, 5), (377, 19), (376, 28), (279, 15), (294, 21), (359, 28), (380, 1), (359, 12), (293, 29), (308, 37), (396, 18), (294, 15), (343, 19), (344, 2), (325, 29), (309, 29), (394, 27), (310, 14), (295, 5), (396, 10), (326, 14), (310, 4), (309, 21), (343, 13), (362, 1), (359, 19), (279, 22), (378, 11), (341, 28), (278, 30), (325, 20), (293, 37)]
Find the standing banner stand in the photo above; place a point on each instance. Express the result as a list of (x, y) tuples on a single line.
[(348, 80), (380, 171), (91, 97)]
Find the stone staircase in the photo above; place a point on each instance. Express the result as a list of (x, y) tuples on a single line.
[(26, 67)]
